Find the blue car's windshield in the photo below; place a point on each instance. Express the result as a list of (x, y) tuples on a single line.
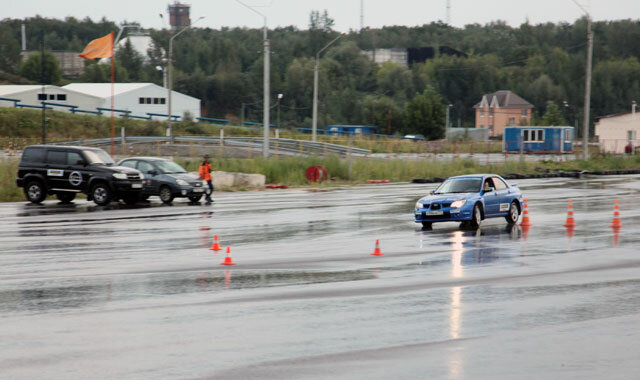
[(460, 185)]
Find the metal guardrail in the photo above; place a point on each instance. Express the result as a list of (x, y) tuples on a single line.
[(280, 145)]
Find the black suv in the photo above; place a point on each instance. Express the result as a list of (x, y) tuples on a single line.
[(68, 170)]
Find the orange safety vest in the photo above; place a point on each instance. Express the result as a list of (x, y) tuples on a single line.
[(205, 171)]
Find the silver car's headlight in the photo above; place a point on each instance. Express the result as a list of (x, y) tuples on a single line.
[(120, 175), (419, 204), (458, 204), (182, 182)]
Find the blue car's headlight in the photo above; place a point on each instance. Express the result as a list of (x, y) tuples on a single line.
[(419, 204), (182, 182), (458, 204)]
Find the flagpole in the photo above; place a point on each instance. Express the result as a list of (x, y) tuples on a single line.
[(113, 64)]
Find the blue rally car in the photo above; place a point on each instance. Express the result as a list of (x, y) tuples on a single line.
[(470, 199)]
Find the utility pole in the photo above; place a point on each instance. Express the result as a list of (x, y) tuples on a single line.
[(587, 85), (170, 78), (587, 91), (314, 124), (44, 95), (267, 81)]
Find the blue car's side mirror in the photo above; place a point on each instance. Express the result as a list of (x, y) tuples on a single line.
[(432, 192), (488, 189)]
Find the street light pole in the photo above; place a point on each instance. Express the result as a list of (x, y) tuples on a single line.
[(446, 124), (267, 70), (587, 85), (170, 76), (279, 98), (314, 125)]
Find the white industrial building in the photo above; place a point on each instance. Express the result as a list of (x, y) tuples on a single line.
[(139, 99), (57, 98), (616, 131)]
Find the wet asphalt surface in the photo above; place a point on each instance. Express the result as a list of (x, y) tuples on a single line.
[(134, 292)]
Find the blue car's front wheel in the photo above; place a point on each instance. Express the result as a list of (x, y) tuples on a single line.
[(476, 216)]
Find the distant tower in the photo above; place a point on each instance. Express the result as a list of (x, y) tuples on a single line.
[(179, 15), (448, 12)]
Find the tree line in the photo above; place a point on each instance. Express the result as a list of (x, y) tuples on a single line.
[(543, 63)]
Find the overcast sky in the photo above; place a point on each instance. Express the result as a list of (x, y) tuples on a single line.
[(346, 13)]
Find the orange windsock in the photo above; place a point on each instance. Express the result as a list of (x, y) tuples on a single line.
[(99, 48)]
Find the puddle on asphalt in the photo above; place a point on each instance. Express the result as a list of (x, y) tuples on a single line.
[(56, 208), (46, 299)]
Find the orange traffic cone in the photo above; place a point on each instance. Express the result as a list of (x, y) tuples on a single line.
[(615, 223), (377, 251), (216, 245), (227, 259), (570, 223), (525, 215)]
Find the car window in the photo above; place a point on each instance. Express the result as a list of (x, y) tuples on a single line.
[(168, 167), (33, 155), (460, 185), (129, 164), (57, 157), (98, 157), (73, 158), (144, 167), (489, 183), (499, 184)]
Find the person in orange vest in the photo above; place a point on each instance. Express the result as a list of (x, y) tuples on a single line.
[(205, 174)]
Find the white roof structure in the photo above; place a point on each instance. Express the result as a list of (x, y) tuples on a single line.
[(103, 90), (11, 89)]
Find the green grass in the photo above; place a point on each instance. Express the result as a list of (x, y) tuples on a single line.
[(20, 127)]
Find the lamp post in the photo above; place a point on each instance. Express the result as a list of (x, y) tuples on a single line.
[(446, 124), (267, 100), (314, 125), (170, 76), (587, 85), (279, 98)]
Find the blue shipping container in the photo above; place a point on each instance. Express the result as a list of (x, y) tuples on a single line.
[(530, 139)]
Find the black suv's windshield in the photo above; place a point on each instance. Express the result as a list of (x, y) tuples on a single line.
[(169, 167), (460, 185), (98, 157)]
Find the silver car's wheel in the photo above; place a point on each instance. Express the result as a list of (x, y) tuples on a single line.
[(165, 194), (513, 215)]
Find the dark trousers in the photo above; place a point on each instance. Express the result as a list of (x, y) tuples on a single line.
[(210, 192)]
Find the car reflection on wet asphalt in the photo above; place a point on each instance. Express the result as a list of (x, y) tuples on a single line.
[(134, 291)]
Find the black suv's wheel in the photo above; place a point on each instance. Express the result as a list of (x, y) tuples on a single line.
[(513, 215), (476, 216), (35, 192), (101, 194), (195, 198), (66, 197), (165, 194)]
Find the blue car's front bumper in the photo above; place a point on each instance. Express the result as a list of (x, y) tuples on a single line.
[(448, 215)]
